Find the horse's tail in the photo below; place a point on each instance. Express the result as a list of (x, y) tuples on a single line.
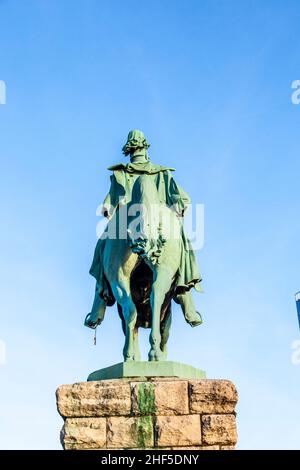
[(145, 235)]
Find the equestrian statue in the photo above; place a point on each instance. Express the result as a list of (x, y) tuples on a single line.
[(144, 262)]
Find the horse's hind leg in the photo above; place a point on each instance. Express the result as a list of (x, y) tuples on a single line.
[(161, 285), (137, 354), (121, 292), (165, 332)]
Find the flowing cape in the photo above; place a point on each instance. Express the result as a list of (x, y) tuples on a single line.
[(170, 194)]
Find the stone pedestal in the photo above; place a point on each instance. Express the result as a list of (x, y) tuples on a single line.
[(151, 413)]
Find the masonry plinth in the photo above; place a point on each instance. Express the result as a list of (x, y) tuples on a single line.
[(151, 413)]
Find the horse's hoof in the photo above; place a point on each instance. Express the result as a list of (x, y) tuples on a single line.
[(155, 356), (128, 359), (164, 356)]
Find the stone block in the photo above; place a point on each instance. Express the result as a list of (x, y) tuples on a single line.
[(129, 432), (87, 399), (160, 398), (219, 429), (174, 431), (84, 433), (212, 396)]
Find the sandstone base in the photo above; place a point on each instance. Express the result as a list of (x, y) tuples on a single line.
[(149, 413)]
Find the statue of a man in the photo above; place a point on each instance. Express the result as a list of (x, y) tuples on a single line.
[(172, 195)]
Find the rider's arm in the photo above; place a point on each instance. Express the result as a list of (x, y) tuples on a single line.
[(108, 208), (185, 198), (179, 197), (115, 196)]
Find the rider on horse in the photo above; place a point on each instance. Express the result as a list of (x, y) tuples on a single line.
[(173, 196)]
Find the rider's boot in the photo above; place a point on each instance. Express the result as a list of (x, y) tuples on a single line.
[(188, 308), (96, 316)]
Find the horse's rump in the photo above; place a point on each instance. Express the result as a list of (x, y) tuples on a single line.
[(140, 286)]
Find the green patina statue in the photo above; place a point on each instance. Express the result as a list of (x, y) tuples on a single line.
[(139, 262)]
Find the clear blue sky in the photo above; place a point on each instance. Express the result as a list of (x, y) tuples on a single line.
[(209, 82)]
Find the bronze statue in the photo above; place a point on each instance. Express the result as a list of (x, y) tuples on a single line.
[(142, 266)]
